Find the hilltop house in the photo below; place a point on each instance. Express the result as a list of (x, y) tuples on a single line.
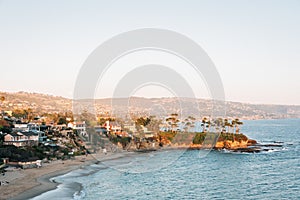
[(21, 127), (79, 126), (20, 139), (29, 127), (112, 127)]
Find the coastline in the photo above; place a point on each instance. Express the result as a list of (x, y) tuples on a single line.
[(45, 185), (30, 183)]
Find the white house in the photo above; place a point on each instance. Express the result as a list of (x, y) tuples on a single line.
[(21, 127), (79, 126), (112, 127)]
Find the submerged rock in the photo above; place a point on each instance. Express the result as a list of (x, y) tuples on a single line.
[(248, 150)]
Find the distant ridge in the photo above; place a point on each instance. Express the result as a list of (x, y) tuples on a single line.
[(43, 103)]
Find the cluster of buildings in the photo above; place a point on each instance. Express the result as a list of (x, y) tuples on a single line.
[(127, 130), (31, 134)]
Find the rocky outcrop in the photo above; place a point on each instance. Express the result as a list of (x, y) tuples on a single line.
[(227, 141), (228, 144), (252, 142)]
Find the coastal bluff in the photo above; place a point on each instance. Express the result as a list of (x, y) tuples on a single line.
[(228, 141)]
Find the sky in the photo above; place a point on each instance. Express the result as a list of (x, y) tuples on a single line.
[(254, 45)]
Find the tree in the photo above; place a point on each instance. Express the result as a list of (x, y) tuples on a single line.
[(18, 113), (30, 114), (233, 124), (102, 120), (191, 118), (5, 126), (219, 124), (141, 121), (227, 124), (192, 121), (174, 115), (62, 120), (172, 121), (203, 124), (187, 126), (154, 123), (208, 124), (69, 115), (237, 124)]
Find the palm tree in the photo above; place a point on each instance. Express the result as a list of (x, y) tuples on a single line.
[(233, 124), (227, 124), (237, 124), (187, 126), (203, 124), (219, 124), (208, 124), (172, 121), (154, 124), (174, 115), (192, 120)]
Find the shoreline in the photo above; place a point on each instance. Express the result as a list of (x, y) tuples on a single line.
[(28, 183), (38, 180), (45, 185)]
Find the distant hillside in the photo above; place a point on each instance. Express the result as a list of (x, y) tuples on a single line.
[(42, 103), (35, 101)]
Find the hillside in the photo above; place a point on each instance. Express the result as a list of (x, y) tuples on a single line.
[(35, 101), (41, 103)]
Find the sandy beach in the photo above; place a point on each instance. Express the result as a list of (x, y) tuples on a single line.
[(24, 184), (28, 183)]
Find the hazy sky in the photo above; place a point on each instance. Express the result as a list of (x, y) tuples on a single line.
[(255, 45)]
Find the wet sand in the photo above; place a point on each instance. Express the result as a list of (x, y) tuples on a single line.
[(24, 184), (28, 183)]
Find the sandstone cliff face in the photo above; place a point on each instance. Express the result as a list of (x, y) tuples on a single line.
[(227, 144), (228, 141)]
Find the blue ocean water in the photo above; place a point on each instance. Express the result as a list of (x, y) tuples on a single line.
[(174, 174)]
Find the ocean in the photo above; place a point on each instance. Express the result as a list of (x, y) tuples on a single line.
[(192, 174)]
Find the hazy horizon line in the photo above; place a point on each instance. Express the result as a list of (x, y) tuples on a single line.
[(164, 97)]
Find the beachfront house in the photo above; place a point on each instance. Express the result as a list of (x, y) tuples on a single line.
[(20, 139)]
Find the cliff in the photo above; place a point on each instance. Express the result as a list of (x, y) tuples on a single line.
[(227, 141), (227, 144)]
